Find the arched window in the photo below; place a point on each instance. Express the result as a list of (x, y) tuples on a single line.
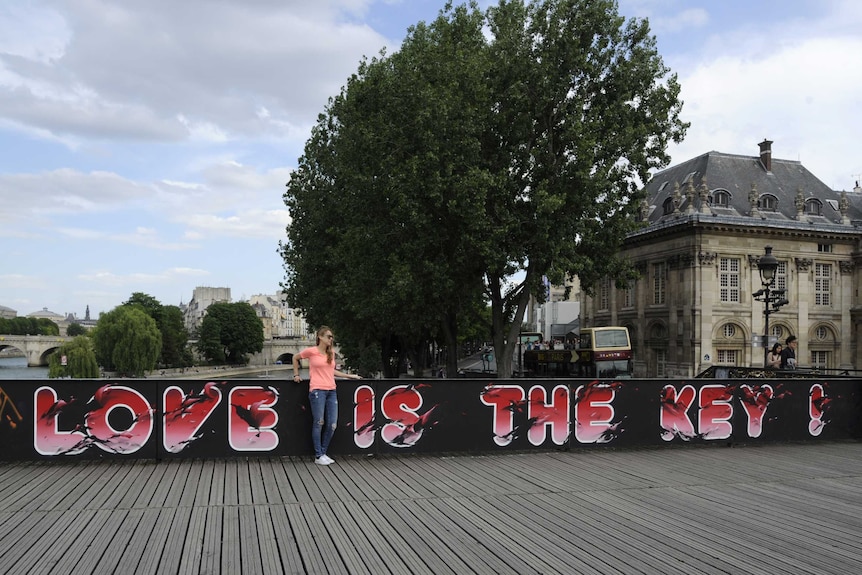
[(721, 198), (768, 202), (813, 207)]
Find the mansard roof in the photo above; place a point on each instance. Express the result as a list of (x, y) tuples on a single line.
[(719, 185)]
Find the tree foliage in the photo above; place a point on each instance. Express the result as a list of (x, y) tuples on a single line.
[(75, 329), (80, 360), (491, 150), (127, 340), (169, 319), (229, 331), (28, 326)]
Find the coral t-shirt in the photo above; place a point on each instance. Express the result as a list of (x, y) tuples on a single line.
[(322, 374)]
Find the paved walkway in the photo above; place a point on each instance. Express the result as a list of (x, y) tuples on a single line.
[(749, 509)]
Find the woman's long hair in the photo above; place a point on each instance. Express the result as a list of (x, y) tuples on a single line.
[(320, 331)]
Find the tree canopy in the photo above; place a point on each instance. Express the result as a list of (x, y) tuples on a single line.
[(169, 319), (494, 148), (229, 331), (28, 326), (127, 340), (75, 359)]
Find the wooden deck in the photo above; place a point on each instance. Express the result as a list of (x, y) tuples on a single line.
[(791, 508)]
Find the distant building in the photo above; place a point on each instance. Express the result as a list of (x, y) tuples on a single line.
[(279, 320), (558, 317), (45, 313), (706, 224), (7, 312), (86, 322), (202, 298)]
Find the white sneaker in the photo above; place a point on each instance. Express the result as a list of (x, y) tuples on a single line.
[(322, 460), (327, 459)]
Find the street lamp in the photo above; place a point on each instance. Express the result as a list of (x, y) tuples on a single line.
[(767, 265)]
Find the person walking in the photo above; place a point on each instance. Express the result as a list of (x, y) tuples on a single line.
[(321, 391), (788, 354), (773, 359)]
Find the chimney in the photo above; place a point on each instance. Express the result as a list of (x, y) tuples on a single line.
[(766, 154)]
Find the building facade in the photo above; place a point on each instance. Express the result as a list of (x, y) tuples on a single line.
[(202, 298), (279, 320), (707, 222)]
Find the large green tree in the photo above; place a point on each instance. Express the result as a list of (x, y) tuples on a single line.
[(229, 331), (169, 319), (493, 149), (75, 359), (127, 340)]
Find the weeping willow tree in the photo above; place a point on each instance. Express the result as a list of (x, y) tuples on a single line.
[(75, 359)]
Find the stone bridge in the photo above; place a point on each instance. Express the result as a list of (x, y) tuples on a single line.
[(280, 350), (37, 348)]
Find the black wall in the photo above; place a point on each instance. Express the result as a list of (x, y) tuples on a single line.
[(163, 419)]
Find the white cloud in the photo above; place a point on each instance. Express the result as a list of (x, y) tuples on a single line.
[(797, 95)]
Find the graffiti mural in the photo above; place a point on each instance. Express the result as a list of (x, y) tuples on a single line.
[(173, 419)]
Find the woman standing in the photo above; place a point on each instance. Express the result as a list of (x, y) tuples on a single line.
[(321, 391), (773, 358)]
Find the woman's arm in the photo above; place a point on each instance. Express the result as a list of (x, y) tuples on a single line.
[(347, 375), (296, 366)]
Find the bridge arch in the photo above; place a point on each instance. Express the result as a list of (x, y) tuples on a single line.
[(37, 348)]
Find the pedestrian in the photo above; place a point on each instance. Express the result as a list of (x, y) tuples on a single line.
[(773, 359), (788, 354), (321, 391)]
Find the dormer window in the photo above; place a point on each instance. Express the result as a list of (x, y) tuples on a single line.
[(768, 202), (813, 207), (721, 198)]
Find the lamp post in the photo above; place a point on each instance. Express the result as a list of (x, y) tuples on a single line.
[(767, 265)]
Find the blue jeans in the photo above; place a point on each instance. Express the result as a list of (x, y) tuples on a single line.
[(324, 416)]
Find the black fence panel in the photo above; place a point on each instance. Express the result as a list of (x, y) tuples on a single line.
[(164, 419)]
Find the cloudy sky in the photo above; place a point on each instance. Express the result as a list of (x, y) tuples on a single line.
[(146, 145)]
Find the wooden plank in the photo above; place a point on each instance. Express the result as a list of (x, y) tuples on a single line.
[(288, 550), (187, 485), (764, 509), (232, 560), (419, 541), (60, 550), (212, 547), (383, 550), (218, 483), (458, 552), (144, 523), (282, 476), (330, 544), (250, 542), (171, 487), (21, 534), (311, 557), (262, 542), (183, 556), (204, 485), (231, 488)]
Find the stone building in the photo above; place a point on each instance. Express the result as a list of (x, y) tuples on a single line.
[(202, 298), (279, 320), (707, 222)]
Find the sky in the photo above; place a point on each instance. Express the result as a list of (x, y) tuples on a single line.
[(145, 146)]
